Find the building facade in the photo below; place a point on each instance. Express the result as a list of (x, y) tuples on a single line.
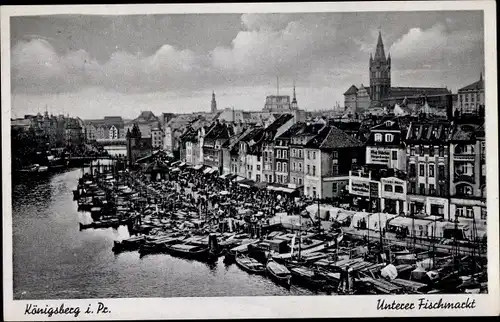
[(468, 174), (471, 97), (427, 168), (385, 145)]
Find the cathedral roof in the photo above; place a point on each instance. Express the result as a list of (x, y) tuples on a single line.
[(379, 52), (352, 90)]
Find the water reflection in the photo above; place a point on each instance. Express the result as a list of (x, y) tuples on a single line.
[(54, 259)]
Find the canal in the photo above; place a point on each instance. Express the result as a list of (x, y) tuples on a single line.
[(53, 259)]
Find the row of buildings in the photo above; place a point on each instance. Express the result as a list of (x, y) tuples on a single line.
[(395, 164), (56, 131)]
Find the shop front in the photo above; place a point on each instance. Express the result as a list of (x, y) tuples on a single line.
[(365, 193), (416, 204), (469, 211), (437, 207), (393, 195)]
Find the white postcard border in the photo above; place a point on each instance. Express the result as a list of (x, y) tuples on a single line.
[(260, 307)]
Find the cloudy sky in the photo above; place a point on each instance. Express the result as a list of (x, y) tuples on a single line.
[(93, 66)]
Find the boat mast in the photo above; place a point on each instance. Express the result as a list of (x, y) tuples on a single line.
[(300, 234)]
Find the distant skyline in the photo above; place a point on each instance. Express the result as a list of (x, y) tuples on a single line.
[(93, 66)]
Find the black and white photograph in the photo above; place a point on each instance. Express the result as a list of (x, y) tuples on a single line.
[(250, 154)]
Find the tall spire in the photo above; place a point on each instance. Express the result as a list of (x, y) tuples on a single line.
[(213, 106), (295, 105), (379, 52)]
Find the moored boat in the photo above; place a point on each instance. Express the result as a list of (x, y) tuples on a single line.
[(188, 251), (307, 277), (279, 273), (249, 264)]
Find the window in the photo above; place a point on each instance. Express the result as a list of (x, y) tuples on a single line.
[(258, 167), (421, 189), (334, 188), (412, 150), (308, 155), (431, 170), (387, 188), (257, 178), (354, 161), (389, 137), (314, 192), (421, 151), (300, 181), (285, 167), (266, 178), (300, 154), (314, 170), (431, 151), (464, 190), (278, 166), (413, 170), (378, 137), (466, 212), (389, 123), (308, 169), (432, 189), (483, 148), (442, 189), (284, 154), (294, 166), (278, 154), (464, 168), (413, 187), (300, 166), (394, 155), (421, 170), (335, 154), (441, 151), (441, 171), (398, 189), (483, 214)]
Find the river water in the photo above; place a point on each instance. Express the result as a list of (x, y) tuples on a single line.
[(54, 260)]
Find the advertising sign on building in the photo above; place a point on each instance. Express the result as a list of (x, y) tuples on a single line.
[(359, 187), (374, 189), (379, 156)]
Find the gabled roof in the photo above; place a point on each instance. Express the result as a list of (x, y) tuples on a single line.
[(352, 90), (219, 131), (310, 129), (279, 122), (316, 141), (429, 131), (337, 139), (388, 124), (292, 131), (474, 86)]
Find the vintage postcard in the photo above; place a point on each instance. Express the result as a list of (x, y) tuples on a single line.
[(250, 160)]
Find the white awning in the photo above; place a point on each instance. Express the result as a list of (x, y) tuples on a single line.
[(198, 166)]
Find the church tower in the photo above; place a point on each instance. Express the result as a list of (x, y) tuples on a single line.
[(294, 105), (213, 107), (380, 74)]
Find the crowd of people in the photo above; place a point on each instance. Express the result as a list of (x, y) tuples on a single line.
[(214, 199)]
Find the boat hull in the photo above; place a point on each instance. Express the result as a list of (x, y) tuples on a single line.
[(283, 280), (240, 261)]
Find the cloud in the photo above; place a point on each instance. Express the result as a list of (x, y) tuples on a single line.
[(434, 42), (274, 44), (36, 66)]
